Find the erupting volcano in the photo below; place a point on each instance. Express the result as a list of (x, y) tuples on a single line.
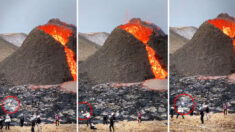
[(47, 56), (210, 51), (227, 26), (143, 33), (133, 52), (62, 33)]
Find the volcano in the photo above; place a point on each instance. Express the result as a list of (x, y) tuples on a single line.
[(133, 52), (47, 56), (210, 51)]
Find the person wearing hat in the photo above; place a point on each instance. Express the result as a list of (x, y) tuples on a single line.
[(38, 122), (111, 123)]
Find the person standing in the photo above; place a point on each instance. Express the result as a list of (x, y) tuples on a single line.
[(181, 110), (22, 120), (7, 122), (207, 112), (139, 116), (111, 123), (202, 115), (38, 122), (172, 112), (87, 115), (57, 120), (225, 109), (33, 121), (105, 119), (1, 122)]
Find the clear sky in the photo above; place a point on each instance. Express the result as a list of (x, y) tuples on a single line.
[(23, 15), (105, 15), (195, 12)]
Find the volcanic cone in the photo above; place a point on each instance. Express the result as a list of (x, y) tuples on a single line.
[(128, 57), (210, 51), (47, 56)]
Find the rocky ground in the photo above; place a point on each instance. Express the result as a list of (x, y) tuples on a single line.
[(211, 91), (46, 128), (216, 123), (46, 102), (129, 126), (124, 100)]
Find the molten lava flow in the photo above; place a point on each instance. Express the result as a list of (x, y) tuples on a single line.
[(227, 26), (61, 34), (142, 33)]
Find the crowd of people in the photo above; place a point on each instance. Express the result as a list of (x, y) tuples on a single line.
[(107, 119), (202, 111), (35, 121)]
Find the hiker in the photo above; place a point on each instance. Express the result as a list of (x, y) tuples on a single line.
[(139, 114), (22, 120), (172, 112), (87, 115), (181, 110), (7, 122), (1, 122), (33, 121), (105, 119), (225, 109), (202, 115), (57, 119), (192, 109), (92, 125), (207, 112), (111, 123), (38, 122)]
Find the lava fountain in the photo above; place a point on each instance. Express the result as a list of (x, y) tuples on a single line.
[(227, 26), (143, 32), (61, 34)]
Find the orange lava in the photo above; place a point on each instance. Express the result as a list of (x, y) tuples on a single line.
[(142, 33), (227, 26), (61, 34)]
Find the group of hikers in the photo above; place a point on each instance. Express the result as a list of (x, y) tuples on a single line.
[(107, 119), (202, 110), (35, 121)]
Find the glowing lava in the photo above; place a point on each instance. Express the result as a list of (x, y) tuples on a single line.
[(227, 26), (142, 33), (61, 34)]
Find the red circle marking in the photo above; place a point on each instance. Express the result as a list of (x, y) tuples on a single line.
[(8, 111), (90, 112), (190, 110)]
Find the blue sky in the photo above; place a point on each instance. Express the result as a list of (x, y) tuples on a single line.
[(23, 15), (195, 12), (105, 15)]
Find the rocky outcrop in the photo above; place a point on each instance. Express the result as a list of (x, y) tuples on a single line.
[(43, 102), (213, 92), (125, 101)]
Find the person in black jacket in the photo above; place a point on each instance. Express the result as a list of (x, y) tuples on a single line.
[(207, 112), (111, 123), (202, 116), (105, 119), (1, 122), (22, 120), (38, 122)]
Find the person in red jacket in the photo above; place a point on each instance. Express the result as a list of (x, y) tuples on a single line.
[(57, 119), (139, 117)]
